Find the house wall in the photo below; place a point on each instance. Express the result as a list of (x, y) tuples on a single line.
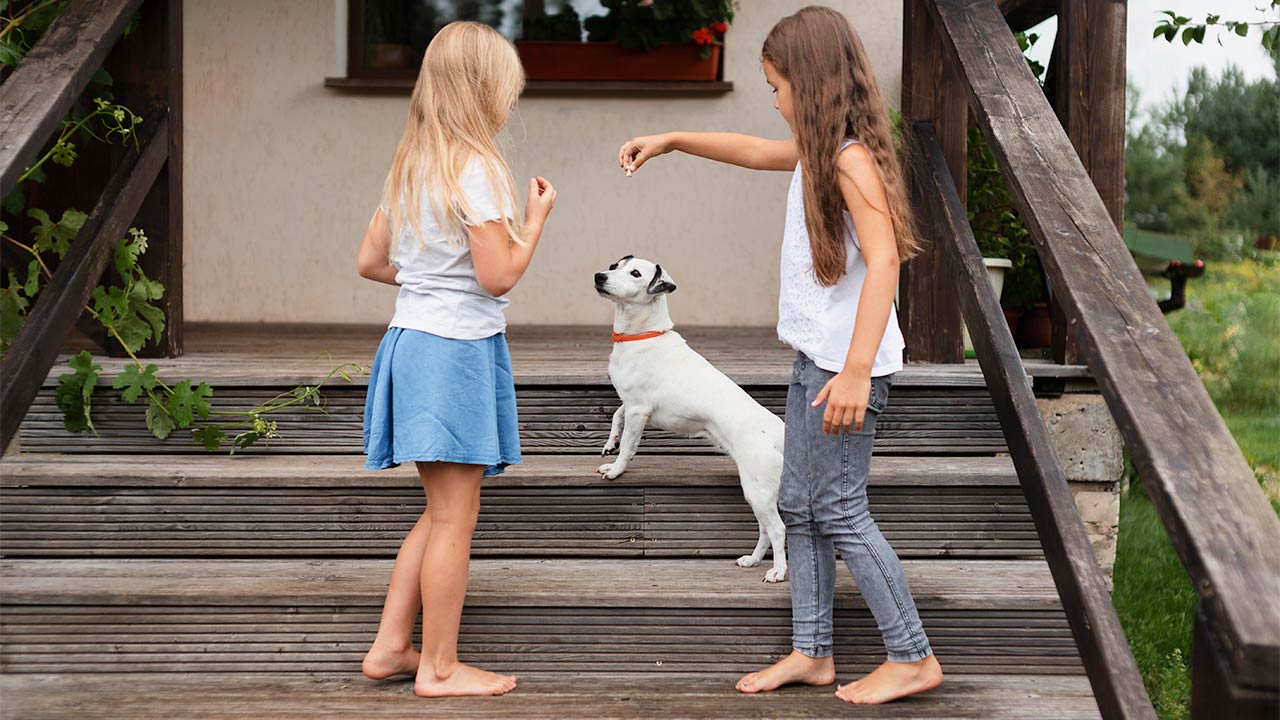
[(282, 176)]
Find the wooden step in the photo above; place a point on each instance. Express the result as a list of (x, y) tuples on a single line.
[(573, 616), (926, 419), (79, 505), (540, 696)]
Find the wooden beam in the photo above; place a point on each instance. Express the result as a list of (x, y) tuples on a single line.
[(931, 91), (1117, 684), (1219, 520), (38, 343), (1025, 14), (34, 99)]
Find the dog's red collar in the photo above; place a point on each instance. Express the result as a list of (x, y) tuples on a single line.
[(641, 336)]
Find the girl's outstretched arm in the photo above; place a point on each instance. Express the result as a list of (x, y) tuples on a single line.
[(848, 392), (499, 262), (745, 151), (372, 261)]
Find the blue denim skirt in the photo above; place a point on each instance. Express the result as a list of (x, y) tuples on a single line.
[(438, 399)]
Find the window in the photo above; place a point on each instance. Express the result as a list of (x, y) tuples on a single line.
[(387, 38)]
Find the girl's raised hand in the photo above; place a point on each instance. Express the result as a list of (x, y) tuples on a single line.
[(636, 151), (542, 197)]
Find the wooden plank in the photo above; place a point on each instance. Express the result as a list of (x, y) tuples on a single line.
[(33, 351), (931, 91), (1113, 673), (41, 90), (550, 696), (1023, 15), (1217, 517), (936, 584)]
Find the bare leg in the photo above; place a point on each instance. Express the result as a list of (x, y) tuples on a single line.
[(454, 503), (392, 652)]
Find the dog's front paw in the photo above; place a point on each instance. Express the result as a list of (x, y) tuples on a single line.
[(747, 561), (609, 447), (610, 471), (775, 574)]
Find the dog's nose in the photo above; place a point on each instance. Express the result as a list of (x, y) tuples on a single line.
[(600, 278)]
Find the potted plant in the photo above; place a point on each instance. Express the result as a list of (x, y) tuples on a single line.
[(634, 40)]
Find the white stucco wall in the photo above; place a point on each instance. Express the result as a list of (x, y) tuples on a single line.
[(283, 174)]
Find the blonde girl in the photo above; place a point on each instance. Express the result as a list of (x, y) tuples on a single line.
[(847, 230), (441, 394)]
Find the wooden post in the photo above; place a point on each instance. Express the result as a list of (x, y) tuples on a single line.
[(1215, 694), (1088, 95), (931, 91), (147, 67)]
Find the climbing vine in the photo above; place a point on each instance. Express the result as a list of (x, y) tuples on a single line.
[(126, 311)]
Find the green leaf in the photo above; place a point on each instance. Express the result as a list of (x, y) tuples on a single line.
[(13, 314), (102, 77), (128, 250), (56, 237), (186, 402), (1170, 33), (244, 440), (32, 285), (16, 200), (158, 420), (75, 393), (210, 436), (64, 153), (135, 381), (1187, 35)]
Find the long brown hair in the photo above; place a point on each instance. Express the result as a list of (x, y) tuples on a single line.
[(834, 96)]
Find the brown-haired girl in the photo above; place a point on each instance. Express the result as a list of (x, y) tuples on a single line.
[(847, 230)]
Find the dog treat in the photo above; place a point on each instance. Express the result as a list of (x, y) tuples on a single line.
[(630, 172)]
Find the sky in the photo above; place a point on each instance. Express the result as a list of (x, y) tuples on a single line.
[(1158, 68)]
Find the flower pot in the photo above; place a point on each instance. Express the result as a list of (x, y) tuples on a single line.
[(995, 272), (1036, 327), (1011, 318), (563, 60)]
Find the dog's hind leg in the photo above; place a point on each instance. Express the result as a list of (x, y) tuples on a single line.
[(614, 432), (762, 496)]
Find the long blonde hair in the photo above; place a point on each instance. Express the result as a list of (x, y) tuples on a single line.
[(470, 80), (834, 95)]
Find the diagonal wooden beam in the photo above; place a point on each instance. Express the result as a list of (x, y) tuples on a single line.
[(41, 90), (1220, 522), (38, 342), (1114, 675)]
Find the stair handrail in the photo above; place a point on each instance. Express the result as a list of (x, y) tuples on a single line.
[(1220, 522)]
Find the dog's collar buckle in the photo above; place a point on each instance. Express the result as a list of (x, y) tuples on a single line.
[(618, 337)]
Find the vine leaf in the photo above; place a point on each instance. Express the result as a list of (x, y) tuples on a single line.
[(135, 381), (159, 422), (186, 402), (210, 436), (75, 393), (56, 236)]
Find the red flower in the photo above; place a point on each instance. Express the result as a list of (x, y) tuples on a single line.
[(720, 27), (703, 36)]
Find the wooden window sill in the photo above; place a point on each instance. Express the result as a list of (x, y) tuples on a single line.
[(403, 86)]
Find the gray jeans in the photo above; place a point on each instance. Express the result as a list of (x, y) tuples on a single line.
[(823, 501)]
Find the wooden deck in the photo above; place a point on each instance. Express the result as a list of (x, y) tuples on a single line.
[(149, 579), (276, 354)]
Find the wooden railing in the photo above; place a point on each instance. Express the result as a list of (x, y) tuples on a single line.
[(1220, 522), (146, 185)]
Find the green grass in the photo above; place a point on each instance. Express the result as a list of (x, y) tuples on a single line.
[(1230, 330)]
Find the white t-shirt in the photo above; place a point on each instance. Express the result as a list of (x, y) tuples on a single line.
[(439, 292), (817, 320)]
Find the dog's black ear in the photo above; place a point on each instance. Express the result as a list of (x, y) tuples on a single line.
[(657, 285)]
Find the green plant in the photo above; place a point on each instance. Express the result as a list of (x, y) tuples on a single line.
[(126, 310), (649, 23), (564, 25), (1174, 24)]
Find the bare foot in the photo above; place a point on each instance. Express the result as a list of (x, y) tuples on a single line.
[(893, 680), (794, 668), (461, 680), (381, 663)]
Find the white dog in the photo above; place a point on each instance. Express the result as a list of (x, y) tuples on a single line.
[(662, 380)]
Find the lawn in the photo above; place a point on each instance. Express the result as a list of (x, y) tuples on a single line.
[(1231, 330)]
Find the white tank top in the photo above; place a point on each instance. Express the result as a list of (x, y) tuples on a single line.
[(817, 320)]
